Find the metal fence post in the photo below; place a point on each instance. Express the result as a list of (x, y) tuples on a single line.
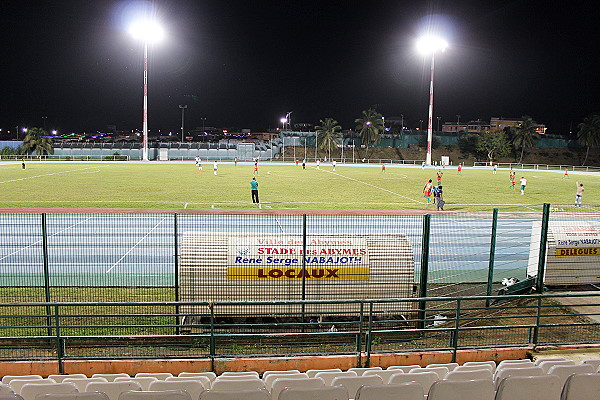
[(176, 267), (369, 335), (536, 329), (490, 280), (543, 242), (59, 342), (46, 273), (456, 331), (211, 306), (303, 268), (424, 270), (360, 334)]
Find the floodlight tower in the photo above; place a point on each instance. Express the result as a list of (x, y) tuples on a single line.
[(149, 31), (429, 45), (283, 122)]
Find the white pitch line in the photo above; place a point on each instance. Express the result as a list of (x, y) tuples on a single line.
[(54, 173), (38, 241), (135, 245), (376, 187)]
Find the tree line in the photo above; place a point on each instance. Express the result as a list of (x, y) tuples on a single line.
[(492, 143)]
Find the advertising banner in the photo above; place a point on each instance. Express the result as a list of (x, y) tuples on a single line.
[(261, 257)]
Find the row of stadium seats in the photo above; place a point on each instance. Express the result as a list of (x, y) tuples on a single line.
[(543, 379)]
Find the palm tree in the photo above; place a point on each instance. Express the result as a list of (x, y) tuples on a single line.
[(589, 133), (525, 135), (370, 127), (37, 140), (328, 134)]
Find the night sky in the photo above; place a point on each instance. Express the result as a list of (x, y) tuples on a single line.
[(246, 63)]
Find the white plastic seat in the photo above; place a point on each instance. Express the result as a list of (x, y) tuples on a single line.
[(463, 390), (425, 379), (450, 366), (144, 381), (492, 364), (240, 373), (544, 387), (162, 395), (474, 368), (312, 372), (161, 376), (318, 393), (7, 378), (5, 389), (515, 366), (329, 376), (404, 391), (538, 361), (475, 375), (353, 383), (595, 362), (546, 365), (236, 377), (385, 374), (512, 363), (440, 371), (237, 384), (29, 391), (81, 383), (113, 389), (13, 396), (256, 394), (110, 377), (17, 384), (271, 378), (281, 383), (62, 377), (194, 388), (403, 368), (564, 371), (204, 380), (287, 372), (210, 375), (74, 396), (581, 387), (504, 373), (361, 371)]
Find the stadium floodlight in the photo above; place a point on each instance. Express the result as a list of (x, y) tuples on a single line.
[(283, 121), (149, 31), (430, 45)]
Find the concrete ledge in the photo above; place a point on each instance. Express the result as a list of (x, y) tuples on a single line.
[(259, 364)]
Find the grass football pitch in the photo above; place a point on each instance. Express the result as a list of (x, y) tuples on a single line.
[(282, 186)]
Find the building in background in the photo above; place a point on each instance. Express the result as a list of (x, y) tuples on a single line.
[(501, 123)]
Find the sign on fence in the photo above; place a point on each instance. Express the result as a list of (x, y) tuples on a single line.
[(573, 256), (220, 267)]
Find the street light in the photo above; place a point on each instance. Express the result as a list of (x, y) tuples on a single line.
[(283, 121), (183, 107), (149, 31), (429, 45)]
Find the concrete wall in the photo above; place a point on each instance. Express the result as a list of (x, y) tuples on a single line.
[(259, 364)]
